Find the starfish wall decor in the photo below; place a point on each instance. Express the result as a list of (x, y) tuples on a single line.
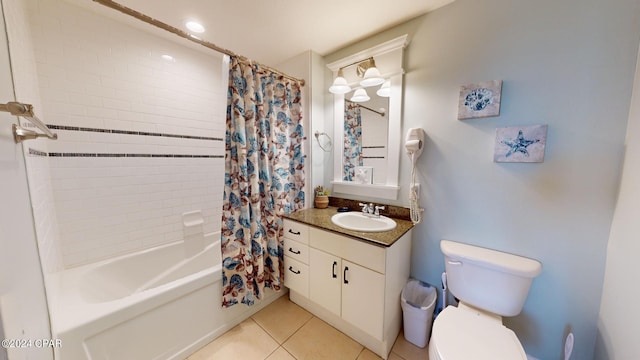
[(520, 144)]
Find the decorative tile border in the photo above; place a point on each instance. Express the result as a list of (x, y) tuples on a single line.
[(101, 155), (125, 132), (35, 152), (374, 147)]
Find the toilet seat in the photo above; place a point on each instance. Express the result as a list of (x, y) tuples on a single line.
[(462, 333)]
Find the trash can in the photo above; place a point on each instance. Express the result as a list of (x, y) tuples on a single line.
[(418, 301)]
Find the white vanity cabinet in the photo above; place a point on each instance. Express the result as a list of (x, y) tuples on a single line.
[(347, 278), (348, 290), (355, 286)]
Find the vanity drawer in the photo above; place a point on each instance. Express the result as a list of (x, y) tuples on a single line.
[(296, 276), (369, 256), (296, 231), (296, 250)]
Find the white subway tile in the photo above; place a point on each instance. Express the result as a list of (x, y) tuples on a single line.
[(120, 105), (102, 75), (79, 121), (96, 89)]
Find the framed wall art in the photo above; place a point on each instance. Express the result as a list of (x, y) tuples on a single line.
[(480, 100), (520, 144)]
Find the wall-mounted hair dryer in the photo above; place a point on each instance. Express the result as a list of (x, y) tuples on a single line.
[(414, 143)]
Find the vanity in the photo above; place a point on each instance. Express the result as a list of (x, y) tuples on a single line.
[(350, 279)]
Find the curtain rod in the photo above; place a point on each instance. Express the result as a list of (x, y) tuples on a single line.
[(157, 23), (381, 113)]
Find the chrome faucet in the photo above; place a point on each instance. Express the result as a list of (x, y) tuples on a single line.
[(367, 209), (370, 210)]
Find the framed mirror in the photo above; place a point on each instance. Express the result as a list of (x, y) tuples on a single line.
[(369, 128), (365, 139)]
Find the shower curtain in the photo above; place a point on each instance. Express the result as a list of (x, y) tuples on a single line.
[(264, 178), (352, 153)]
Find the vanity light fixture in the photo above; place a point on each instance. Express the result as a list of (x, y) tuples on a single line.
[(385, 89), (366, 69), (340, 85), (194, 26), (360, 95)]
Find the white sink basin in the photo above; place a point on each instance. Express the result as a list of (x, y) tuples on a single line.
[(359, 222)]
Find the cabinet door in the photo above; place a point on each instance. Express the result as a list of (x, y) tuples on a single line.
[(363, 298), (325, 280)]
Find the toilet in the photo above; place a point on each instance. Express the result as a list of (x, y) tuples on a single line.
[(489, 284)]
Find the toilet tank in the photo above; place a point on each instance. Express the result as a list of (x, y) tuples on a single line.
[(491, 280)]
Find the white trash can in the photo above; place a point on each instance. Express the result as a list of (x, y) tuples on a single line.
[(418, 301)]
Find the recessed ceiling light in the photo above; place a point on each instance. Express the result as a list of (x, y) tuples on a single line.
[(194, 26)]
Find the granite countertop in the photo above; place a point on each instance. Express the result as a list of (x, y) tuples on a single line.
[(321, 218)]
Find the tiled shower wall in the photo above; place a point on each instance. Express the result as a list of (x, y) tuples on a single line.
[(140, 137), (39, 175)]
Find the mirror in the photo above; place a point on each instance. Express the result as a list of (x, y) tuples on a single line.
[(365, 140), (367, 163)]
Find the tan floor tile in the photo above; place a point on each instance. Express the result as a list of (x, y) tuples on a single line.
[(394, 356), (408, 351), (317, 340), (280, 354), (282, 318), (367, 354), (247, 341)]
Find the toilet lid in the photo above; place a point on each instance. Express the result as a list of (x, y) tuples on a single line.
[(461, 334)]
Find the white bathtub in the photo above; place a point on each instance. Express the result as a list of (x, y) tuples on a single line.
[(155, 304)]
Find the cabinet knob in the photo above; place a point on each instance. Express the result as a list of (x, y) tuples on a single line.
[(293, 271), (295, 252), (333, 270), (294, 232)]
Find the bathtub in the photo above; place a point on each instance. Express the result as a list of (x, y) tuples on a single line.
[(154, 304)]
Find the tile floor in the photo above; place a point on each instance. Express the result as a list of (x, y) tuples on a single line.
[(285, 331)]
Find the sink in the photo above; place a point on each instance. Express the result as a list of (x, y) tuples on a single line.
[(366, 223)]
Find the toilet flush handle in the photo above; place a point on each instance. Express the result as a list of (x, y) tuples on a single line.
[(454, 263)]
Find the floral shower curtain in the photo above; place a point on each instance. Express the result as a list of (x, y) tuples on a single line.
[(352, 153), (264, 178)]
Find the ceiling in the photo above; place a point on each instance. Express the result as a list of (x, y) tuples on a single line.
[(272, 31)]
